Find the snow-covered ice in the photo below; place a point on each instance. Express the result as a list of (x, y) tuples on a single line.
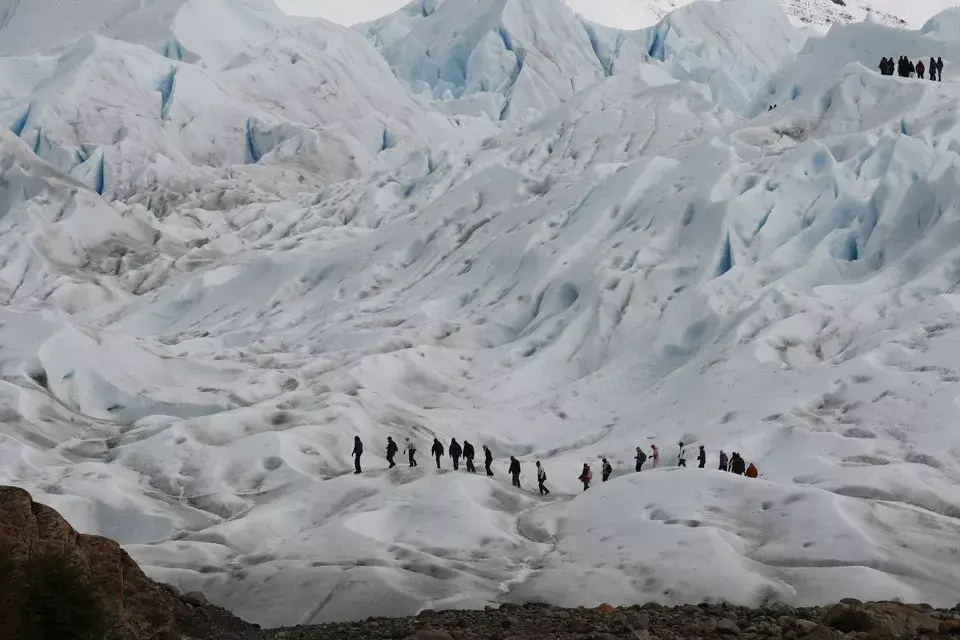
[(232, 240)]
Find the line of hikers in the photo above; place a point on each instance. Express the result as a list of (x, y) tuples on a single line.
[(733, 464), (905, 68)]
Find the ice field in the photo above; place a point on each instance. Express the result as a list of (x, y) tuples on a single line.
[(232, 240)]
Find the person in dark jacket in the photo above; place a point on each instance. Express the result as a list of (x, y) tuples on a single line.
[(723, 460), (921, 69), (411, 450), (455, 452), (933, 68), (357, 452), (607, 470), (939, 69), (487, 459), (515, 471), (437, 451), (541, 479), (737, 464), (883, 66), (911, 69), (392, 449), (641, 458), (586, 476), (468, 455), (702, 457)]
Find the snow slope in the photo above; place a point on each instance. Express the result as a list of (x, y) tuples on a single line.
[(190, 337)]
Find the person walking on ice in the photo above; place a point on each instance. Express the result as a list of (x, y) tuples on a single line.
[(487, 460), (641, 458), (921, 69), (702, 457), (541, 479), (607, 470), (411, 450), (655, 455), (468, 455), (357, 452), (455, 452), (515, 471), (723, 460), (752, 471), (682, 458), (586, 476), (437, 451), (392, 449)]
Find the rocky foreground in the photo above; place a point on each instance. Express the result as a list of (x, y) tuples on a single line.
[(141, 609)]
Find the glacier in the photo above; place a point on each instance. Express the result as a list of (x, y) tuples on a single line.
[(232, 240)]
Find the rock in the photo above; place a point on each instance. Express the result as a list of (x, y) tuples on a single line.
[(880, 619), (728, 627), (509, 606), (578, 625), (138, 604), (510, 623), (653, 606), (638, 621), (604, 636), (820, 632), (805, 626), (852, 601), (766, 628), (430, 634), (427, 613), (196, 598), (949, 627), (606, 609)]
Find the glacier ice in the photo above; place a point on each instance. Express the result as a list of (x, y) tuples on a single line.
[(226, 252)]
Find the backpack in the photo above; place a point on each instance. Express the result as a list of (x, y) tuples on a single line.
[(642, 457)]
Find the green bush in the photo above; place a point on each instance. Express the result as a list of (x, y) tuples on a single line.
[(49, 598)]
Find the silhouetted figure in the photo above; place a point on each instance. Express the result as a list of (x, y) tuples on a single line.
[(883, 66), (455, 452), (357, 452), (607, 470), (411, 450), (586, 476), (487, 460), (682, 458), (641, 458), (702, 457), (737, 465), (468, 455), (541, 479), (515, 471), (933, 68), (752, 471), (723, 460), (921, 69), (939, 69), (437, 451), (391, 452)]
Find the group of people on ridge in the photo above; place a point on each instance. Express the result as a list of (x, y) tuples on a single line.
[(905, 68), (733, 464)]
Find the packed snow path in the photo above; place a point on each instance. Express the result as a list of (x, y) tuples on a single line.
[(226, 252)]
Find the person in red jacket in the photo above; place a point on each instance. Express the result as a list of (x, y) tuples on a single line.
[(920, 69), (586, 476), (752, 471)]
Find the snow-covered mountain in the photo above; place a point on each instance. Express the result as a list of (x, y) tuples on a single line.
[(232, 241)]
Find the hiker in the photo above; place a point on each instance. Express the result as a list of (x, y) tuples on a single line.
[(455, 452), (586, 476), (541, 478), (641, 458), (737, 465), (939, 69), (933, 68), (468, 455), (357, 452), (411, 450), (437, 451), (515, 471), (487, 459), (921, 69), (883, 66), (752, 471), (391, 451), (910, 68), (702, 457), (723, 460), (682, 458), (655, 455), (607, 470)]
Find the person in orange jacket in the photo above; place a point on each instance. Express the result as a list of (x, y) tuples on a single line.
[(752, 471)]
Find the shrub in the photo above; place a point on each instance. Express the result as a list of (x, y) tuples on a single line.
[(49, 598)]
